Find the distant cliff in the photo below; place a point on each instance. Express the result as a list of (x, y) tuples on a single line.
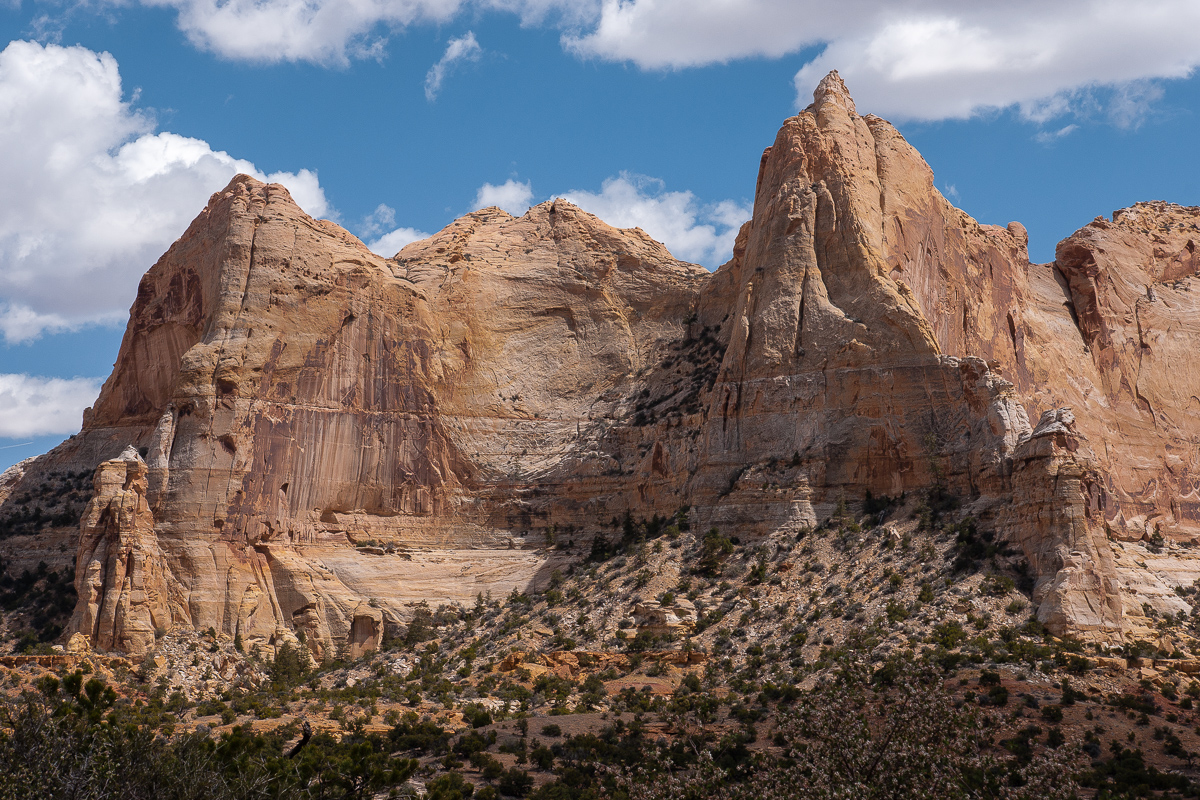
[(323, 437)]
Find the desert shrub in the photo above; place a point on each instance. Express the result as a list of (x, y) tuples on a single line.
[(852, 737), (515, 783), (45, 598), (73, 741), (879, 507), (1126, 774), (972, 546), (422, 736), (420, 627), (449, 786), (476, 715)]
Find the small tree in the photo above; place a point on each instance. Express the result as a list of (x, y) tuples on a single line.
[(288, 668)]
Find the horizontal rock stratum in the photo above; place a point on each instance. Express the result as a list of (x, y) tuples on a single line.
[(322, 437)]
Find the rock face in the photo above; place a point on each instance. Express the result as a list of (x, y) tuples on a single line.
[(331, 437), (121, 578), (1055, 486), (1131, 284), (657, 618)]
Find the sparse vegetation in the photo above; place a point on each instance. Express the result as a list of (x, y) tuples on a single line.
[(466, 693)]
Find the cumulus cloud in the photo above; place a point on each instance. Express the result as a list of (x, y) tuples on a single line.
[(36, 406), (465, 48), (923, 59), (320, 31), (691, 230), (381, 219), (907, 59), (1045, 58), (378, 229), (669, 34), (90, 194), (513, 196), (394, 241)]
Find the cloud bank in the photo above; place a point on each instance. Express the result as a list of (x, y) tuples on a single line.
[(513, 196), (907, 59), (378, 230), (318, 31), (953, 60), (691, 230), (90, 194), (33, 406)]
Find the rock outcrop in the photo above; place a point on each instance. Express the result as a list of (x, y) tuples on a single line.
[(331, 437), (121, 578), (1132, 283), (658, 618), (1054, 520)]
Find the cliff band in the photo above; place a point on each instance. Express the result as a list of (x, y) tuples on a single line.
[(301, 437)]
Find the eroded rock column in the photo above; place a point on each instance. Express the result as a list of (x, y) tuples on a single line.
[(1076, 590), (120, 575)]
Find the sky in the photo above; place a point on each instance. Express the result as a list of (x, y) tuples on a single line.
[(118, 119)]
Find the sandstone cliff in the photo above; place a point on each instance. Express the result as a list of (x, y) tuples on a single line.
[(330, 437)]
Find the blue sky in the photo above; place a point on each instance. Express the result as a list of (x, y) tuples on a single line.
[(647, 113)]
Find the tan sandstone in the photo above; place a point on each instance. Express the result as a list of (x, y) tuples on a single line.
[(332, 437)]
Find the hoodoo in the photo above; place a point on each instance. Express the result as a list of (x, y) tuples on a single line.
[(302, 437)]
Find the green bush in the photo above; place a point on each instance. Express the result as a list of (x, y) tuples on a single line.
[(450, 786), (515, 783), (713, 551), (289, 668)]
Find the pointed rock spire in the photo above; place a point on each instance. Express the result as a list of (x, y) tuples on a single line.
[(833, 89)]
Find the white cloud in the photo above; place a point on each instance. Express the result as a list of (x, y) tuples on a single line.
[(321, 31), (464, 48), (668, 34), (1046, 137), (36, 406), (393, 242), (922, 59), (1132, 102), (940, 60), (90, 195), (379, 220), (691, 230), (513, 196), (906, 59), (374, 225)]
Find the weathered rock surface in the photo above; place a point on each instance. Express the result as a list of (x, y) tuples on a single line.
[(1132, 285), (11, 478), (1054, 494), (658, 618), (121, 579), (331, 437)]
